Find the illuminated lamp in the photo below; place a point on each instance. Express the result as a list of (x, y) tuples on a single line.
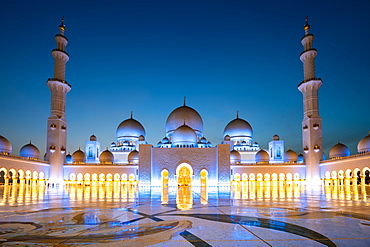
[(62, 150), (63, 128), (53, 126), (316, 126), (316, 148), (305, 149), (52, 149)]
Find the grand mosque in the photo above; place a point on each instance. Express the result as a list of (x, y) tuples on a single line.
[(184, 157)]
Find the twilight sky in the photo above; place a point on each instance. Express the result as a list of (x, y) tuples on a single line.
[(145, 56)]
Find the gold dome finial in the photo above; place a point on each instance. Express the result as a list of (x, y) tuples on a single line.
[(306, 26), (62, 27)]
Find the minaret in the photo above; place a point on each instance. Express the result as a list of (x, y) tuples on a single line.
[(57, 124), (311, 124)]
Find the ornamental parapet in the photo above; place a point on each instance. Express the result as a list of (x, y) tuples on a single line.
[(311, 79), (62, 81), (5, 154)]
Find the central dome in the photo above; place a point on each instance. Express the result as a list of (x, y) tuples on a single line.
[(130, 128), (184, 135), (184, 114)]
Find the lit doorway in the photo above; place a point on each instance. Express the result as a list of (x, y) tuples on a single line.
[(184, 173)]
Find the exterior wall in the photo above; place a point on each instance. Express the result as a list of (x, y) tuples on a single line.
[(358, 161), (145, 164), (247, 156), (18, 163), (98, 169), (223, 158), (284, 168), (197, 158)]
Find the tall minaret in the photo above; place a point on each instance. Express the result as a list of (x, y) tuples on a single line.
[(57, 124), (311, 124)]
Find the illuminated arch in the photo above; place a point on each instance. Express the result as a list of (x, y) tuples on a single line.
[(35, 175), (203, 177), (244, 176), (237, 177), (164, 177), (116, 177), (101, 177), (41, 175), (266, 177), (80, 177), (252, 177), (289, 176), (296, 176), (21, 174), (281, 176), (274, 177), (184, 174), (259, 176), (131, 177), (94, 177), (28, 174), (333, 174), (124, 177), (87, 176), (72, 177), (109, 177), (327, 175), (340, 174)]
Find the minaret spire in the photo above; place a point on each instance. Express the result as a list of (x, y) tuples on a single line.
[(312, 123), (237, 114), (131, 114), (57, 124), (184, 100)]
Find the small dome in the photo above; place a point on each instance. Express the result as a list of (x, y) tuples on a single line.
[(79, 156), (364, 144), (142, 138), (130, 128), (235, 157), (203, 140), (238, 128), (106, 157), (262, 156), (275, 138), (93, 138), (290, 156), (30, 151), (165, 140), (5, 145), (227, 138), (339, 150), (133, 157), (184, 135), (181, 114), (68, 158)]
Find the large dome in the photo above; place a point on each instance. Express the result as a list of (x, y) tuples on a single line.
[(130, 128), (184, 114), (339, 150), (290, 156), (364, 144), (5, 145), (238, 128), (184, 135), (30, 151)]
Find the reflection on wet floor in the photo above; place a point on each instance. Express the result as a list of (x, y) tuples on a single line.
[(101, 215)]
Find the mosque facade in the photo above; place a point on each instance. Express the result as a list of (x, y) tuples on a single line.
[(184, 157)]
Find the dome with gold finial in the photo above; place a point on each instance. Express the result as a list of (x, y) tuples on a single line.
[(62, 27), (306, 27)]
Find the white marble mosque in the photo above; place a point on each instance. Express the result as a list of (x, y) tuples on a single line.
[(184, 157)]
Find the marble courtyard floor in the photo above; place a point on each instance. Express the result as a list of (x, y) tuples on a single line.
[(260, 214)]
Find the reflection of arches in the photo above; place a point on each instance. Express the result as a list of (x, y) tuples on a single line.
[(184, 174), (203, 177), (164, 178)]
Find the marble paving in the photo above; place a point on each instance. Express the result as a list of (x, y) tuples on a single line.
[(253, 214)]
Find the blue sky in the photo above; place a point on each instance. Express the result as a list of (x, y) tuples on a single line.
[(145, 56)]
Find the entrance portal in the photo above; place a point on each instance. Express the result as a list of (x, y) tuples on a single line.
[(184, 174)]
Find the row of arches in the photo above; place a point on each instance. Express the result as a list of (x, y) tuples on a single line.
[(94, 179), (13, 176), (266, 177), (356, 176)]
